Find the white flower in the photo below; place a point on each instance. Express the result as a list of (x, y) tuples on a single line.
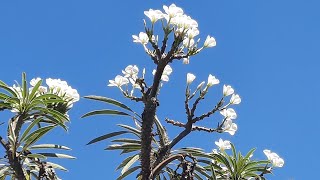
[(274, 158), (172, 11), (186, 60), (166, 72), (190, 78), (143, 38), (229, 113), (191, 33), (61, 88), (131, 71), (34, 81), (72, 94), (227, 90), (235, 99), (223, 144), (154, 15), (184, 22), (188, 42), (230, 127), (212, 80), (118, 81), (210, 42)]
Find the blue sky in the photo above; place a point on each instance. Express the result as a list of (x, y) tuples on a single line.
[(267, 50)]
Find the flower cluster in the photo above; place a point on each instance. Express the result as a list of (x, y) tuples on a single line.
[(274, 158), (130, 75), (55, 86), (184, 28), (62, 89), (228, 113)]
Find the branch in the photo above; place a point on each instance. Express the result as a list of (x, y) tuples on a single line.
[(148, 116), (194, 128), (163, 164)]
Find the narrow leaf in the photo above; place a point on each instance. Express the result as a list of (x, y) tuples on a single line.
[(105, 112), (57, 155), (49, 146), (25, 133), (40, 156), (109, 101), (131, 170), (106, 136), (57, 166), (130, 163)]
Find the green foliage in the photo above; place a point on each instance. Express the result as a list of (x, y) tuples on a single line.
[(206, 165), (36, 114)]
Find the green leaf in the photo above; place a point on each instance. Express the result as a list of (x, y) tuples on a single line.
[(163, 137), (52, 112), (124, 162), (127, 140), (56, 166), (130, 163), (36, 135), (25, 133), (109, 101), (48, 96), (49, 146), (40, 156), (54, 121), (105, 112), (6, 88), (4, 96), (25, 90), (5, 105), (34, 90), (213, 175), (131, 129), (201, 170), (57, 155), (106, 136), (126, 146), (129, 171)]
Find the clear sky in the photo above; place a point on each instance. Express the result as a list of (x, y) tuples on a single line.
[(268, 50)]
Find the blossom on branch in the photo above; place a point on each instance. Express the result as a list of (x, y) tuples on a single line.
[(118, 81), (212, 80), (229, 113), (223, 144), (274, 158), (143, 38), (210, 42), (230, 127), (190, 78), (227, 90), (172, 11), (154, 15), (131, 71), (235, 99)]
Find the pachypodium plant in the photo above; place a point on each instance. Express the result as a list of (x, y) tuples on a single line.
[(37, 110), (147, 140)]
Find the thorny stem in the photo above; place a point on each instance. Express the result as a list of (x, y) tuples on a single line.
[(14, 161), (148, 121)]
